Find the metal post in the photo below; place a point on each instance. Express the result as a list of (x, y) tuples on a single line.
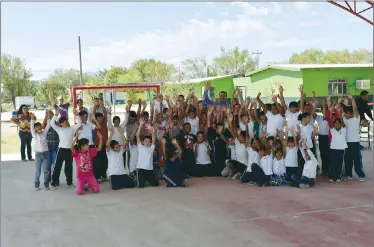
[(80, 62), (257, 58)]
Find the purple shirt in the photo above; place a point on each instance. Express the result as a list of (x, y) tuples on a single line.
[(64, 109)]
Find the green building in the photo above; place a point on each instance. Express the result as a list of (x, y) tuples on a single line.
[(219, 83), (325, 79)]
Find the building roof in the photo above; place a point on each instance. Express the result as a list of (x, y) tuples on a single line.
[(298, 67), (199, 80)]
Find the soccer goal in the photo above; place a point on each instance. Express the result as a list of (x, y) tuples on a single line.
[(112, 93)]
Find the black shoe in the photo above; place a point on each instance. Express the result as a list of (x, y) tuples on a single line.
[(31, 159), (24, 160), (362, 147)]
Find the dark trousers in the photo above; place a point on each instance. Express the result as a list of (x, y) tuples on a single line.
[(100, 164), (290, 171), (257, 175), (324, 150), (188, 162), (147, 175), (121, 181), (202, 170), (353, 157), (336, 164), (63, 155), (296, 180), (25, 138), (173, 174), (236, 166)]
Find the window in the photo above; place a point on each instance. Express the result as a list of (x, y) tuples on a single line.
[(337, 86)]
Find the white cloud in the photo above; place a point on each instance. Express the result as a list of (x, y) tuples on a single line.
[(277, 9), (293, 42), (197, 13), (194, 38), (251, 10), (312, 23), (301, 5)]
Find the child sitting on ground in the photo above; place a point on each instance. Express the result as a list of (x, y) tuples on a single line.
[(202, 153), (83, 155), (173, 174)]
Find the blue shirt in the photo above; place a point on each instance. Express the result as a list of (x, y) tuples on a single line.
[(208, 101)]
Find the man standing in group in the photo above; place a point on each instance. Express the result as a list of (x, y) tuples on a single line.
[(64, 107), (222, 97), (363, 107)]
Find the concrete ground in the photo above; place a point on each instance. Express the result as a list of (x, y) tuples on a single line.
[(210, 212)]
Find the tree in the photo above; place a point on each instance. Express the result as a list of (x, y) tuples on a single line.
[(151, 70), (314, 56), (233, 61), (112, 75), (196, 67), (15, 78)]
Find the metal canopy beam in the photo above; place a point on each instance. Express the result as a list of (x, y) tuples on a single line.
[(353, 9)]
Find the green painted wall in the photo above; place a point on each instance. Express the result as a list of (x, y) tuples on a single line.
[(317, 79), (222, 84), (265, 80)]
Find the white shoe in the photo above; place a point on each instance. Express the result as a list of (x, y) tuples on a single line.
[(361, 179)]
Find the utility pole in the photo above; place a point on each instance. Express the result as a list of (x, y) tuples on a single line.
[(257, 53), (80, 61)]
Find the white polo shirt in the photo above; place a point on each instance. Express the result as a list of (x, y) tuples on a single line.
[(115, 163), (85, 130), (274, 123), (202, 154), (352, 126), (306, 133), (266, 165), (338, 139), (241, 152), (291, 157), (133, 157), (145, 157), (279, 167), (323, 126), (292, 120)]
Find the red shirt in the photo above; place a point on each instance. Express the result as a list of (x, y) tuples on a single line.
[(103, 131), (83, 162)]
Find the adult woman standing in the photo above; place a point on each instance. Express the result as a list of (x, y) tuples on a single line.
[(23, 121)]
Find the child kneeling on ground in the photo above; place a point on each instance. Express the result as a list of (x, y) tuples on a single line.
[(146, 148), (83, 155), (174, 175), (118, 174)]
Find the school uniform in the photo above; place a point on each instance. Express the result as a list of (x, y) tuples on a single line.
[(85, 131), (203, 163), (186, 141), (260, 173), (279, 173), (174, 175), (253, 158), (292, 120), (41, 155), (324, 143), (353, 157), (308, 176), (145, 166), (274, 123), (337, 149), (306, 134), (241, 162), (291, 161), (66, 136), (118, 174)]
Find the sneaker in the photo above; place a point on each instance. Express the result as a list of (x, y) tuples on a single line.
[(37, 188), (31, 159), (304, 186), (338, 180), (46, 187), (347, 178), (86, 188), (331, 181), (237, 176), (361, 179), (105, 180), (251, 183), (100, 180), (24, 160), (53, 187), (71, 186)]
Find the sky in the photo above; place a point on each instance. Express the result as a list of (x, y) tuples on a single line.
[(45, 35)]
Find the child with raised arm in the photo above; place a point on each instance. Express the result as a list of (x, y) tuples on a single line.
[(275, 120), (338, 146), (291, 149), (145, 156), (66, 135), (279, 169), (41, 151), (173, 174), (202, 153), (83, 155), (353, 155), (118, 174)]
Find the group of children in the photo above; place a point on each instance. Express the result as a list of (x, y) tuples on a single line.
[(244, 139)]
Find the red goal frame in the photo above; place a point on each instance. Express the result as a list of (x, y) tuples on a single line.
[(156, 86)]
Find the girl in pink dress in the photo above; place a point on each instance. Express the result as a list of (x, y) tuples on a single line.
[(83, 155)]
